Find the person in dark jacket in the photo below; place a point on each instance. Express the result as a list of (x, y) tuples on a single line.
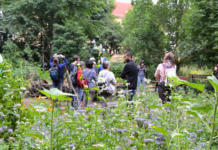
[(141, 76), (55, 61), (130, 72), (215, 71)]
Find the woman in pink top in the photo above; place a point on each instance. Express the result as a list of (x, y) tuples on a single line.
[(168, 63)]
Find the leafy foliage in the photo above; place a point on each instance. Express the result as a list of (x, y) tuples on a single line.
[(198, 32)]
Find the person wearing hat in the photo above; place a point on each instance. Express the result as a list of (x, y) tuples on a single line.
[(141, 76), (101, 67), (94, 67)]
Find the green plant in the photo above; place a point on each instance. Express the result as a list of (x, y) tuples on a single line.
[(54, 94), (117, 68)]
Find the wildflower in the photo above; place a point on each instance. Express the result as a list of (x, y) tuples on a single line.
[(159, 142), (200, 130), (127, 84), (121, 130), (98, 145), (148, 140), (72, 146), (192, 135), (23, 88), (140, 122), (10, 130), (43, 101), (2, 128)]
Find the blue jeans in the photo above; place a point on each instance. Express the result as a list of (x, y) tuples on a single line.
[(140, 80), (79, 91), (131, 95), (57, 85)]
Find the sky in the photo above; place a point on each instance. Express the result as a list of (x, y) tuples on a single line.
[(129, 1)]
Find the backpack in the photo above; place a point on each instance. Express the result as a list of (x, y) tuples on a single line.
[(73, 75), (102, 84), (170, 71), (54, 73)]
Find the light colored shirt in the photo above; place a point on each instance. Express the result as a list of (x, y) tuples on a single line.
[(160, 72), (110, 79)]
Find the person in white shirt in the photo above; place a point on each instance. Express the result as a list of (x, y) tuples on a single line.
[(110, 80)]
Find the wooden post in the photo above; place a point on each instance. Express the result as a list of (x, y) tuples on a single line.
[(71, 85)]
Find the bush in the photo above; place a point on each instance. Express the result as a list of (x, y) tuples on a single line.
[(117, 68)]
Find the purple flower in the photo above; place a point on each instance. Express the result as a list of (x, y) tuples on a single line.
[(121, 130), (126, 91), (200, 130), (118, 147), (148, 140), (2, 128), (159, 142), (140, 122), (146, 124), (192, 135), (10, 130), (72, 146)]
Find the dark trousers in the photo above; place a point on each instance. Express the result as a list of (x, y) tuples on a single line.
[(164, 92)]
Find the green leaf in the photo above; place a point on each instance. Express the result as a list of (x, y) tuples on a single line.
[(88, 125), (199, 87), (98, 111), (214, 82), (72, 123), (154, 107), (166, 104), (176, 135), (161, 130), (186, 100), (54, 93), (199, 107), (35, 135), (194, 114)]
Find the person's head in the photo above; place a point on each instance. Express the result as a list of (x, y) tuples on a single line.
[(127, 56), (142, 63), (89, 64), (92, 59), (76, 58), (106, 65), (104, 59), (169, 57), (82, 65), (215, 69), (55, 61)]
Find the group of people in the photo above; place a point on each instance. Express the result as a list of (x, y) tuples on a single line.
[(85, 80)]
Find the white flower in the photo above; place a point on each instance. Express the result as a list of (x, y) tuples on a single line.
[(86, 87), (18, 105), (184, 130), (94, 63), (8, 85), (98, 145), (127, 84), (43, 117), (75, 62), (5, 88), (23, 88)]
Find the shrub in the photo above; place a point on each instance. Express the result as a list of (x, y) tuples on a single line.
[(117, 68)]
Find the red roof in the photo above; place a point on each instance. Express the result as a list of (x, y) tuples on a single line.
[(121, 9)]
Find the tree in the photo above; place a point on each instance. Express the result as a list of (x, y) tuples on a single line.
[(34, 22), (199, 34), (111, 37)]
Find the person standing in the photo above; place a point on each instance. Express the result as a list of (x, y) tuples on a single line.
[(101, 67), (91, 78), (168, 68), (73, 69), (58, 68), (110, 82), (141, 76), (130, 72), (215, 71), (94, 67)]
